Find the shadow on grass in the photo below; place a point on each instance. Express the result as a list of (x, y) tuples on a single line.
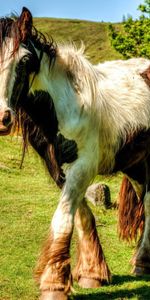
[(141, 293), (121, 279)]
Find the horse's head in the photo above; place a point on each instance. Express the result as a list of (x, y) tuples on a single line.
[(18, 59)]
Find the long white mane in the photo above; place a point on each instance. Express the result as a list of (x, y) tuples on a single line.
[(80, 71)]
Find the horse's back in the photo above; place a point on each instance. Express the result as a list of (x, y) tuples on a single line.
[(138, 65)]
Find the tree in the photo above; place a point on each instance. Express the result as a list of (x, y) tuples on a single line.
[(145, 8), (133, 39)]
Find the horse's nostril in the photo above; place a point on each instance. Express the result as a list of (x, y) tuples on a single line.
[(7, 120)]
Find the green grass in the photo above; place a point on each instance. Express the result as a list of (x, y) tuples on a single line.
[(28, 201)]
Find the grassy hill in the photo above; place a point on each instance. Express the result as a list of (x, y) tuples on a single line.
[(95, 36)]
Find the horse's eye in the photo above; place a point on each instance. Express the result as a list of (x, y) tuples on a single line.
[(25, 64), (25, 59)]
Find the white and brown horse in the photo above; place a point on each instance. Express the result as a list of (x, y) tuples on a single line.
[(105, 109)]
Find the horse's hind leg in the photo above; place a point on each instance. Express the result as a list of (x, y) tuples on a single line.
[(142, 258), (91, 269)]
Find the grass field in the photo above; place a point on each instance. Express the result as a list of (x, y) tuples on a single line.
[(29, 198)]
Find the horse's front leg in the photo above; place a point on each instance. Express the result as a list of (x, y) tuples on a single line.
[(91, 270), (54, 264)]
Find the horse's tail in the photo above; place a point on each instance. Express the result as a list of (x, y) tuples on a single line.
[(131, 212)]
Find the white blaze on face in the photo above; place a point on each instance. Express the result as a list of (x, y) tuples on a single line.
[(8, 64), (6, 70)]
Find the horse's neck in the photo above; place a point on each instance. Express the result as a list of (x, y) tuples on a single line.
[(54, 80)]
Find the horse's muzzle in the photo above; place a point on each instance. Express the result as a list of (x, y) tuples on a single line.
[(6, 121)]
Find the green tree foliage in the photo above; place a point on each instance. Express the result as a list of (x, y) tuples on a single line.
[(145, 8), (134, 37)]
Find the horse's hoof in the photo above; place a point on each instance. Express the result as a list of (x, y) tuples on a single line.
[(141, 270), (53, 295), (89, 283)]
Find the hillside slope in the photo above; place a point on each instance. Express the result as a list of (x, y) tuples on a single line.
[(95, 36)]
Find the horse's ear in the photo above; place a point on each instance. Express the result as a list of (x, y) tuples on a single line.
[(25, 23)]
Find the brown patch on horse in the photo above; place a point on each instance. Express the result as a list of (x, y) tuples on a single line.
[(54, 265), (146, 76), (135, 149), (131, 212)]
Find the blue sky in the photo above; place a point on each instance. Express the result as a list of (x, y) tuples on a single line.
[(94, 10)]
